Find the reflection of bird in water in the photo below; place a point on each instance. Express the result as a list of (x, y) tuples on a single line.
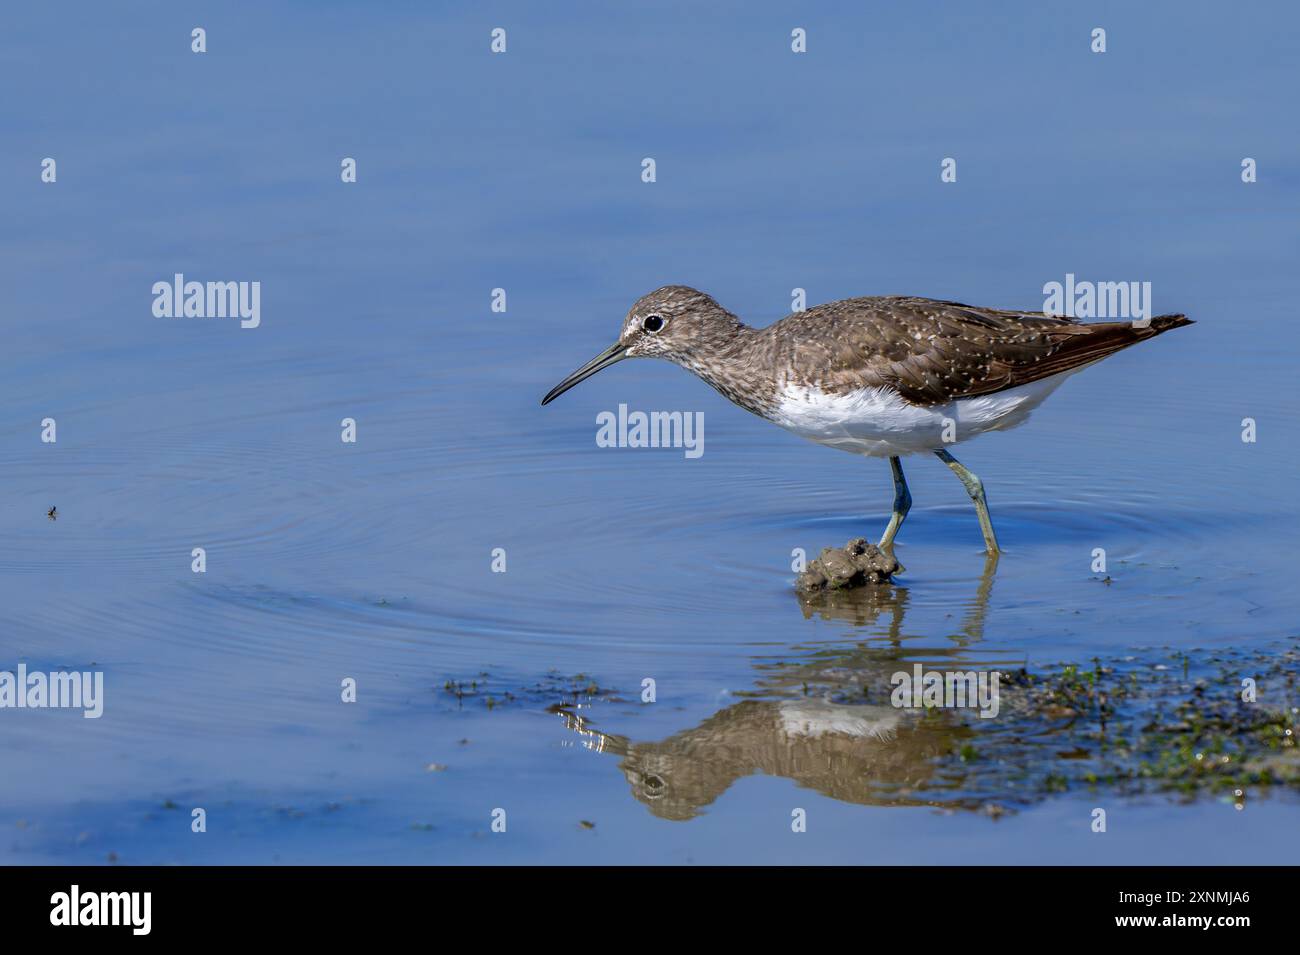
[(866, 753), (863, 754)]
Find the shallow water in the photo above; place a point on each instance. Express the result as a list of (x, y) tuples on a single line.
[(373, 561)]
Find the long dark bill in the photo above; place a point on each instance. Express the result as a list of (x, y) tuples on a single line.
[(611, 355)]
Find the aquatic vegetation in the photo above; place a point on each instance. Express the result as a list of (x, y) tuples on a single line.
[(1142, 726), (553, 691)]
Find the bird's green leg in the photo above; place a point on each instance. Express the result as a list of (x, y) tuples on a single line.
[(902, 504), (976, 491)]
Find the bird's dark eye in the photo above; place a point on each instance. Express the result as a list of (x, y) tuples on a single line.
[(652, 323)]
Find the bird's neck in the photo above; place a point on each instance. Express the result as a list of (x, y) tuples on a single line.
[(730, 363)]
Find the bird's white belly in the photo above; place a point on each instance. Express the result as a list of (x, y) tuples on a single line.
[(879, 423), (813, 719)]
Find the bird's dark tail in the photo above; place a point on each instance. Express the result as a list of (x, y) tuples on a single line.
[(1162, 323), (1081, 345)]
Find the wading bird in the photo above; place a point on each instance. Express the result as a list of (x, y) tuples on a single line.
[(881, 377)]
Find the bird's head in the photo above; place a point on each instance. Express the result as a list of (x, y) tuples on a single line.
[(672, 322)]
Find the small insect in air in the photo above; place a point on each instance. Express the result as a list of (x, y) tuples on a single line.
[(52, 514)]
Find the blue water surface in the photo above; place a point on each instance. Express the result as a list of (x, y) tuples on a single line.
[(373, 561)]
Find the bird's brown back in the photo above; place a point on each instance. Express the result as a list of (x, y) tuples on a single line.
[(933, 352)]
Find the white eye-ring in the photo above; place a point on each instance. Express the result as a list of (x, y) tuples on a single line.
[(653, 324)]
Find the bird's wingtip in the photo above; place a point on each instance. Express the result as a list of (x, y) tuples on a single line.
[(1176, 320)]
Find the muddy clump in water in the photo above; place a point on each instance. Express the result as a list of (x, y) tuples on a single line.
[(856, 564)]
